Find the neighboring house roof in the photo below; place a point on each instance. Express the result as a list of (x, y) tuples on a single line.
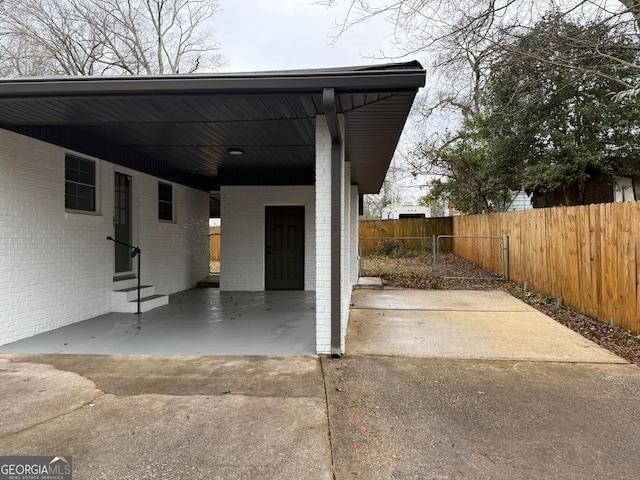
[(180, 127)]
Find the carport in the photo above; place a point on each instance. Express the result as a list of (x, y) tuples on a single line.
[(276, 152)]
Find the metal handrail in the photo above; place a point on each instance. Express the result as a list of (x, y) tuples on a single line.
[(135, 253)]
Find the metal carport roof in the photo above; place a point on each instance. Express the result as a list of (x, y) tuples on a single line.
[(180, 127)]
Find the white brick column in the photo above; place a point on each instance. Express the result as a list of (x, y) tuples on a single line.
[(323, 236), (355, 233), (345, 221)]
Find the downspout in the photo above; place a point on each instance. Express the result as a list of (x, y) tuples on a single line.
[(330, 111)]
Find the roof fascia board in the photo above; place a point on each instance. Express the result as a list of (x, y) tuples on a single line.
[(347, 82)]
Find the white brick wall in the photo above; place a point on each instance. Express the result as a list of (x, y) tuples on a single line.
[(56, 268), (243, 229), (175, 255)]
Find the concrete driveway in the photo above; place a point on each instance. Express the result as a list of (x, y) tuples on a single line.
[(127, 417), (368, 415)]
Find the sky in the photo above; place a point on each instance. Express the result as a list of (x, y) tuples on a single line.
[(258, 35)]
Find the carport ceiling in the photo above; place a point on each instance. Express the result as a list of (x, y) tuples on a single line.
[(181, 127)]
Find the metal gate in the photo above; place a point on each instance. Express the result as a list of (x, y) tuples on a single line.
[(471, 257)]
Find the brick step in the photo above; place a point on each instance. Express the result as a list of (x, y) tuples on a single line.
[(131, 294), (126, 299)]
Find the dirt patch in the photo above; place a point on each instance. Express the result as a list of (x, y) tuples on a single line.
[(408, 272), (416, 272)]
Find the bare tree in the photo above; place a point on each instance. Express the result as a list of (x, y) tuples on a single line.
[(448, 30), (421, 24), (98, 37), (375, 204)]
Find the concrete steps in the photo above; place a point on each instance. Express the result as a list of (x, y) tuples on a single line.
[(369, 283), (211, 281), (126, 299)]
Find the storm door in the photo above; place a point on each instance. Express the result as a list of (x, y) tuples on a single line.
[(122, 222), (284, 248)]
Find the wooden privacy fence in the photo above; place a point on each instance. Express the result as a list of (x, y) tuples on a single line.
[(588, 255), (413, 232), (488, 252), (214, 244)]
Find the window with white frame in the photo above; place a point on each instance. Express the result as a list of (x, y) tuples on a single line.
[(165, 201), (79, 184)]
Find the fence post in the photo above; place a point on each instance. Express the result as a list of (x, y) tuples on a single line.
[(506, 258), (360, 242), (434, 251)]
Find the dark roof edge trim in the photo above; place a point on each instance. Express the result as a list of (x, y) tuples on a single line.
[(360, 80)]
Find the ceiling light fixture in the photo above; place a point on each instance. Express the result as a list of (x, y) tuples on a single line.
[(235, 151)]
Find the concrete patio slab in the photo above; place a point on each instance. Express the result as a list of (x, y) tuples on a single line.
[(483, 325), (200, 321)]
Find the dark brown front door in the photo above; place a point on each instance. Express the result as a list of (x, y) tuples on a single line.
[(284, 248)]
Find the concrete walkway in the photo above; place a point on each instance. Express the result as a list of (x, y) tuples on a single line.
[(478, 325), (364, 416)]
